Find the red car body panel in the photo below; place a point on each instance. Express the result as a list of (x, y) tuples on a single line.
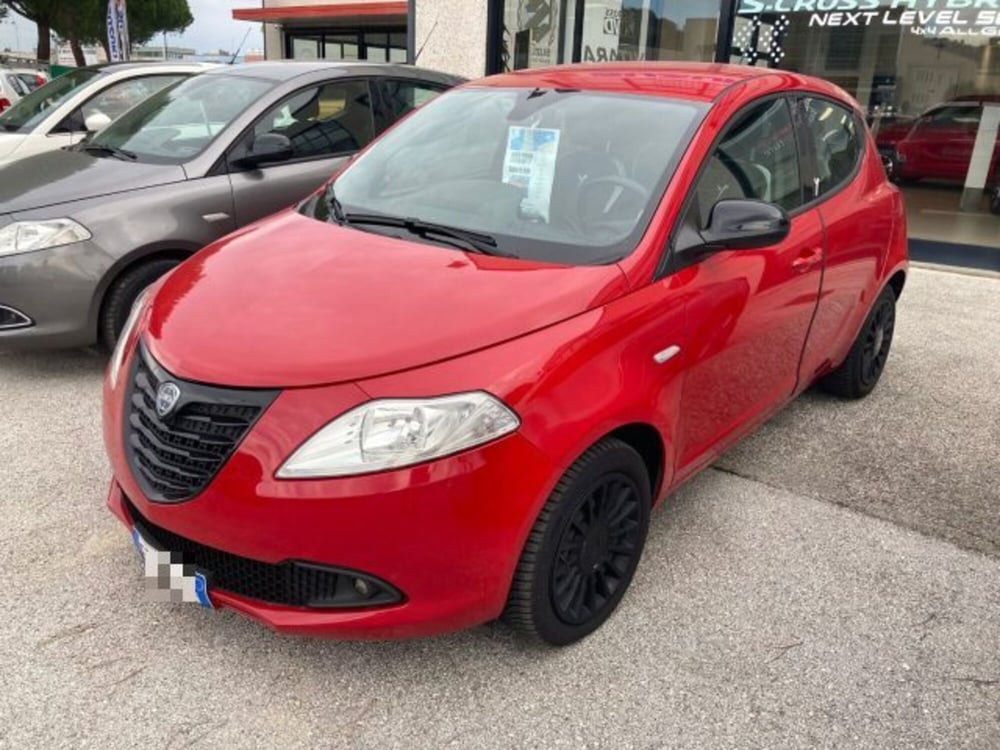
[(569, 349), (353, 302)]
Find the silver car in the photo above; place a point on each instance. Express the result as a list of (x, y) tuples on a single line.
[(83, 231)]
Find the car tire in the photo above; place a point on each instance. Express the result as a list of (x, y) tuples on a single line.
[(584, 547), (860, 372), (123, 294)]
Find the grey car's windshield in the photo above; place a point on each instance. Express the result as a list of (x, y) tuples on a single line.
[(554, 175), (178, 123), (26, 115)]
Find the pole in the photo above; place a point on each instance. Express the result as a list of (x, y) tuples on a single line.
[(411, 32)]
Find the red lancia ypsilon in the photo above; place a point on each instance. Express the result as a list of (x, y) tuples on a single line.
[(451, 385)]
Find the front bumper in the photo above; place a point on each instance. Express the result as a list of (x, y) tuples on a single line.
[(446, 534), (55, 289)]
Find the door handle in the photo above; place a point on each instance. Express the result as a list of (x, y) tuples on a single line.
[(807, 259)]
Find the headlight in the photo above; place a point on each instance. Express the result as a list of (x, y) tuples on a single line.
[(25, 236), (392, 433), (118, 356)]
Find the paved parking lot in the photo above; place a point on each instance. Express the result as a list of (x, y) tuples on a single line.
[(835, 581)]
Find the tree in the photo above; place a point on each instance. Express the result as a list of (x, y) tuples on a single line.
[(42, 12), (146, 18), (84, 21)]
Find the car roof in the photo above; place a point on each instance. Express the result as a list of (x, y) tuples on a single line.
[(704, 82), (285, 70), (142, 67)]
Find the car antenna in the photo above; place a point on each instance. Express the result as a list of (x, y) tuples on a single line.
[(240, 48)]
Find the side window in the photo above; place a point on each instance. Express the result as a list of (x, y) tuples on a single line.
[(119, 98), (756, 158), (404, 96), (323, 120), (835, 141)]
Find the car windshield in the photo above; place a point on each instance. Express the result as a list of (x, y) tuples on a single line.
[(563, 176), (25, 116), (178, 123)]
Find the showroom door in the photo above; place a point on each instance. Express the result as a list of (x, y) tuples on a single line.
[(325, 123), (750, 310)]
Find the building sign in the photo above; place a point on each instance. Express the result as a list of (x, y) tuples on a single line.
[(536, 36), (976, 18), (611, 32)]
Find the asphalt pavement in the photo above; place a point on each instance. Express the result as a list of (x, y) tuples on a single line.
[(833, 582)]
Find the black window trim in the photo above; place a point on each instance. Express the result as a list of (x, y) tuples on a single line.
[(225, 165), (668, 264)]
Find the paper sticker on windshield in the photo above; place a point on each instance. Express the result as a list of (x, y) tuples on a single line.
[(530, 163)]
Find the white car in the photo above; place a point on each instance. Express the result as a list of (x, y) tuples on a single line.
[(66, 109), (12, 88)]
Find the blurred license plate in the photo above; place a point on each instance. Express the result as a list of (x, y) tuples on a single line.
[(167, 578)]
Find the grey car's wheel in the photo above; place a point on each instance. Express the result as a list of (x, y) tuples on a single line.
[(864, 365), (585, 545), (123, 294)]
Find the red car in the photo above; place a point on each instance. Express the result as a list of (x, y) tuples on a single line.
[(939, 144), (452, 385)]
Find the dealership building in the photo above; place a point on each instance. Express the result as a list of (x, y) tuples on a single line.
[(926, 72)]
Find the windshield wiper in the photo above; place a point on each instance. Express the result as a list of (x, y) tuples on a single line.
[(336, 210), (478, 242), (101, 148)]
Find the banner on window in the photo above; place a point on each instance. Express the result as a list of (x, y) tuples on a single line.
[(119, 48)]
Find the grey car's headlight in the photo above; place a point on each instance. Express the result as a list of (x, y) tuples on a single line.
[(392, 433), (118, 356), (25, 236)]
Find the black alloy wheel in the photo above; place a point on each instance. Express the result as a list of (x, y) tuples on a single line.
[(860, 372), (878, 339), (584, 547), (597, 546)]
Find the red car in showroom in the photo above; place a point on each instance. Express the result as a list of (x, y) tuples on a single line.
[(938, 145), (452, 385)]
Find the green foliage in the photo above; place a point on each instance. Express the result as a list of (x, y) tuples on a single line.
[(85, 20)]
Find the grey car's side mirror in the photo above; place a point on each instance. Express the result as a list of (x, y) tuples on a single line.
[(268, 148), (737, 224)]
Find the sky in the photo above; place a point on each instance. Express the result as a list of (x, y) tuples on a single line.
[(213, 28)]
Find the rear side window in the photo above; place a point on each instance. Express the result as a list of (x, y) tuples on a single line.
[(404, 96), (323, 120), (835, 141), (757, 158)]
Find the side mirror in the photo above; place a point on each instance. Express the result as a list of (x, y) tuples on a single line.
[(96, 122), (888, 165), (745, 225), (268, 148)]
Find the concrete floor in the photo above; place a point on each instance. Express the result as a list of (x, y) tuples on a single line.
[(824, 586)]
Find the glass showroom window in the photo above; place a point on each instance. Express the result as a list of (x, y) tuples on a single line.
[(537, 33), (927, 74)]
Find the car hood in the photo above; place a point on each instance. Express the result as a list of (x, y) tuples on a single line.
[(62, 176), (9, 143), (292, 301)]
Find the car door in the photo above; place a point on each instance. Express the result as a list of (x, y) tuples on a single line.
[(749, 311), (858, 207), (325, 122), (940, 146)]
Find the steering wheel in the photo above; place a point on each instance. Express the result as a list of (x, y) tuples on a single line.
[(603, 219)]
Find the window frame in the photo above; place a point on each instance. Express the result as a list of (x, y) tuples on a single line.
[(226, 161), (669, 263), (808, 149)]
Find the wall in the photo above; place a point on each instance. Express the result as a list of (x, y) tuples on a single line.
[(451, 36)]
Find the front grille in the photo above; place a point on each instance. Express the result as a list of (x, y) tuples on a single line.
[(291, 583), (175, 455)]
